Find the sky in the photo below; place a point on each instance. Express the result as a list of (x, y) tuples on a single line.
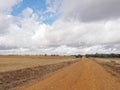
[(63, 27)]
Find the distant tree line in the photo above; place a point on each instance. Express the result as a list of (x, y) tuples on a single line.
[(104, 55), (54, 55), (51, 55), (78, 56)]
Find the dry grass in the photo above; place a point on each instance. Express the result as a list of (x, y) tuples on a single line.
[(112, 65), (11, 63), (107, 60), (18, 70)]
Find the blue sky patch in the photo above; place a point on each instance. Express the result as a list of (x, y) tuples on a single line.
[(36, 6)]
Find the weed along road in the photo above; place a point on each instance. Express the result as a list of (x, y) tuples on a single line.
[(83, 75)]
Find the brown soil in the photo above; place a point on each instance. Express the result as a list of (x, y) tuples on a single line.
[(12, 79), (111, 65), (83, 75)]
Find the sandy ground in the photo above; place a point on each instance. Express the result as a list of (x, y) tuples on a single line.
[(83, 75)]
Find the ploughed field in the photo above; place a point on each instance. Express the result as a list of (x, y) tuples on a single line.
[(18, 70)]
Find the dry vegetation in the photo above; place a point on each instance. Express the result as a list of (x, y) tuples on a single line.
[(112, 65), (83, 75), (11, 63), (17, 70)]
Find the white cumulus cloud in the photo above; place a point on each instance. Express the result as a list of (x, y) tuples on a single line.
[(80, 29)]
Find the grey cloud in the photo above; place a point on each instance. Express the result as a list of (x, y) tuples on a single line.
[(91, 10), (4, 24), (7, 47), (7, 5), (65, 50)]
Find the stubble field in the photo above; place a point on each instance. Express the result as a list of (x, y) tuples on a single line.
[(11, 63), (18, 70)]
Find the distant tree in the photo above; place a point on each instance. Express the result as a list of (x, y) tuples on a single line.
[(45, 55), (78, 56)]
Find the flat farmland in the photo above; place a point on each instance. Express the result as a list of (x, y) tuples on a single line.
[(83, 75), (18, 70), (11, 63), (60, 73)]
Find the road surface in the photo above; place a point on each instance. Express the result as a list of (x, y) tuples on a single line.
[(83, 75)]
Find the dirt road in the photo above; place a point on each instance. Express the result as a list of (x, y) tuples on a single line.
[(83, 75)]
